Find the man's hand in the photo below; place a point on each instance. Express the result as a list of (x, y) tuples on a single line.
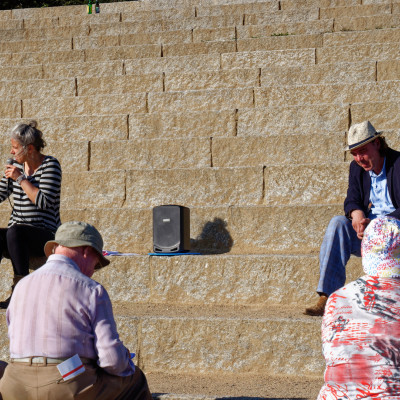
[(359, 222)]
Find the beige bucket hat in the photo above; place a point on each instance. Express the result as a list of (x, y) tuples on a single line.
[(361, 134), (75, 234)]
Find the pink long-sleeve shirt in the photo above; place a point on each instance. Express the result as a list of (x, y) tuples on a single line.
[(57, 312)]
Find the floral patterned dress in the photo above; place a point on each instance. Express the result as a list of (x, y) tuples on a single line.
[(361, 340)]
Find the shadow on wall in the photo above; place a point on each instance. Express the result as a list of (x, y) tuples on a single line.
[(213, 239)]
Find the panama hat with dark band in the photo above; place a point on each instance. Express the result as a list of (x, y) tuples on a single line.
[(361, 134), (76, 234)]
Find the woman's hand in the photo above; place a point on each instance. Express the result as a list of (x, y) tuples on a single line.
[(12, 172)]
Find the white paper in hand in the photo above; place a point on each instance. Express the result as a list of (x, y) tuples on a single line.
[(71, 367)]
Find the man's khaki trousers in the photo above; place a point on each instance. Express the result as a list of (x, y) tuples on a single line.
[(44, 382)]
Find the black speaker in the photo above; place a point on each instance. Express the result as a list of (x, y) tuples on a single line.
[(171, 229)]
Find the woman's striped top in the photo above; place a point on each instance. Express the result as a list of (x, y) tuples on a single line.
[(45, 212)]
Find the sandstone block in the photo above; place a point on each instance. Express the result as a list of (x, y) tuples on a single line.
[(298, 119), (230, 280), (172, 50), (260, 59), (209, 22), (366, 23), (95, 42), (73, 156), (280, 229), (167, 13), (122, 52), (295, 4), (328, 94), (78, 69), (200, 100), (279, 17), (237, 9), (51, 32), (38, 88), (10, 108), (306, 184), (201, 62), (208, 186), (35, 45), (5, 15), (320, 74), (356, 38), (231, 345), (382, 114), (280, 42), (182, 124), (207, 35), (353, 53), (123, 229), (239, 78), (277, 150), (151, 153), (48, 22), (355, 11), (17, 34), (296, 28), (85, 105), (48, 12), (128, 279), (83, 19), (168, 37), (77, 128), (23, 72), (100, 189), (114, 85), (47, 57), (388, 70)]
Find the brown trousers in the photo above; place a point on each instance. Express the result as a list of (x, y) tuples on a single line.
[(43, 382)]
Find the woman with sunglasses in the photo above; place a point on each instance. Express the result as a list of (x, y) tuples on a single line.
[(34, 181)]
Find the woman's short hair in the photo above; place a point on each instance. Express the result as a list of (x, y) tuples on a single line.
[(27, 134)]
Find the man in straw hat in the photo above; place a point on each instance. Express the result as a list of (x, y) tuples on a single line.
[(63, 337), (374, 190)]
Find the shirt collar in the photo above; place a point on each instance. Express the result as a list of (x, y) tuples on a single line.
[(64, 259), (372, 174)]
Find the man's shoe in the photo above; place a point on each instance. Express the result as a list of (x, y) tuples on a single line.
[(319, 308)]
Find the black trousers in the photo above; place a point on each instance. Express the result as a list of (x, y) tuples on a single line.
[(20, 241)]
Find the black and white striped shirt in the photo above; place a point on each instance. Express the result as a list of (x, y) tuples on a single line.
[(45, 212)]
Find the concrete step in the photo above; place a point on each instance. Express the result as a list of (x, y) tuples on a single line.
[(357, 10), (193, 152), (23, 46), (37, 88), (329, 94), (50, 32), (218, 280), (340, 72), (211, 387), (201, 340), (253, 229), (358, 53), (297, 28), (69, 129), (362, 38), (41, 57), (260, 59), (367, 23), (279, 17)]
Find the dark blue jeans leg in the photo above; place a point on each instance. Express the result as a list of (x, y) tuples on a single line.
[(340, 242)]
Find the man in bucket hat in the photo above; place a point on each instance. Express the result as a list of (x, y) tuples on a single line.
[(374, 190), (63, 337)]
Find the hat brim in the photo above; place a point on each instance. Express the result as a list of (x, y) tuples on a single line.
[(363, 142), (52, 244)]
